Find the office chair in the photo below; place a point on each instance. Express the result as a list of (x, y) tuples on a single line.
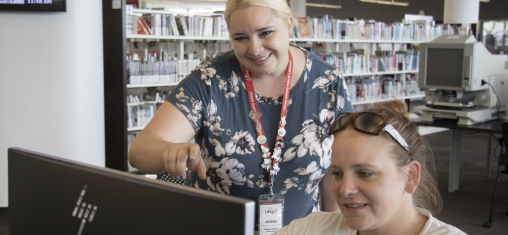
[(503, 161), (171, 179), (162, 177)]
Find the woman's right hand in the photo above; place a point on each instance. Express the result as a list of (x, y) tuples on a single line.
[(177, 157), (163, 145)]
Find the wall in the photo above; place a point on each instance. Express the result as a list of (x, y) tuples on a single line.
[(495, 9), (51, 84)]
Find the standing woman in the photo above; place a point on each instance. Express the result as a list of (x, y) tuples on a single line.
[(259, 115)]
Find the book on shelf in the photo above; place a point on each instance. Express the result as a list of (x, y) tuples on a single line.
[(179, 26), (174, 27), (142, 27), (224, 27), (130, 21), (343, 27), (147, 20), (181, 22)]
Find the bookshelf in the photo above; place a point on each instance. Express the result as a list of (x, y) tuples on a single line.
[(151, 85), (378, 73), (388, 99), (181, 38), (159, 37), (116, 77), (353, 40), (137, 128), (116, 80)]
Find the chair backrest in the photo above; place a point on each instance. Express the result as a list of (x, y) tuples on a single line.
[(169, 178), (503, 157)]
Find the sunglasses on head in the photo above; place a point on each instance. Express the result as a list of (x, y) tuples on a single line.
[(369, 123)]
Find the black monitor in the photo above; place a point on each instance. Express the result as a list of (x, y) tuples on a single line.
[(52, 195)]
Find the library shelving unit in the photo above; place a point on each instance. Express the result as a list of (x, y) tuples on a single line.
[(116, 86)]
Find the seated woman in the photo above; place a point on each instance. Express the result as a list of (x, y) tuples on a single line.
[(383, 178)]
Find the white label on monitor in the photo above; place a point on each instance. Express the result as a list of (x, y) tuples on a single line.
[(270, 218), (117, 4)]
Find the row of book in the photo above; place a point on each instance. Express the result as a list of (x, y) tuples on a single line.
[(170, 50), (175, 25), (140, 112), (158, 62), (140, 116), (325, 27), (133, 100), (364, 89), (316, 27), (159, 71), (383, 61)]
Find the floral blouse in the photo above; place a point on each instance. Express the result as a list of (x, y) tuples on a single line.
[(214, 99)]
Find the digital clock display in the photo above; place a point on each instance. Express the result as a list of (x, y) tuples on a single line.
[(39, 1), (32, 5)]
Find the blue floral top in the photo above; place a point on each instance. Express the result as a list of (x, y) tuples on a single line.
[(214, 99)]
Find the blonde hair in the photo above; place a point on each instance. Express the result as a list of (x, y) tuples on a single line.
[(279, 7), (426, 195)]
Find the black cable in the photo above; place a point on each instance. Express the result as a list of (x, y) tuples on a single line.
[(498, 102), (495, 152), (499, 142)]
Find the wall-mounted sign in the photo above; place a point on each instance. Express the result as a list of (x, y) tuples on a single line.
[(32, 5)]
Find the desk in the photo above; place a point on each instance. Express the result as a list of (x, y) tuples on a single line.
[(493, 127)]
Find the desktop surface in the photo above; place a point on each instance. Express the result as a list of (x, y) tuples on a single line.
[(493, 126), (51, 195)]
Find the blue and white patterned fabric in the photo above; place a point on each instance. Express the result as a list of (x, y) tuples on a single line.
[(214, 99)]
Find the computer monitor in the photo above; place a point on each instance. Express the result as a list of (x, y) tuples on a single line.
[(52, 195), (458, 62)]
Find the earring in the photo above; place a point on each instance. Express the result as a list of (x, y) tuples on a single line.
[(292, 36)]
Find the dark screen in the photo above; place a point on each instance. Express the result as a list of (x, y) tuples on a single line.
[(33, 5), (43, 196), (444, 67)]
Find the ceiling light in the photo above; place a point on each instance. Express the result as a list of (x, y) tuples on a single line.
[(324, 5), (484, 0), (392, 2)]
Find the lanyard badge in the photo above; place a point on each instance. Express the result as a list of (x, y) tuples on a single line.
[(270, 205), (270, 213)]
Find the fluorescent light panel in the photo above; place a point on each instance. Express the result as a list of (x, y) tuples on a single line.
[(322, 5), (387, 2)]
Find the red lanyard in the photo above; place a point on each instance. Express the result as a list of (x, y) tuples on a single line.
[(270, 163)]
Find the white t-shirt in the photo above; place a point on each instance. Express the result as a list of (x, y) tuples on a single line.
[(335, 223)]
